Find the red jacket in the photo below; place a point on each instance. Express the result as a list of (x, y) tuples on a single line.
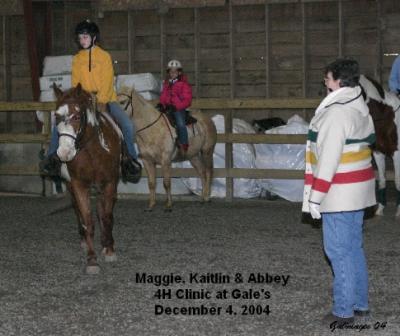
[(178, 94)]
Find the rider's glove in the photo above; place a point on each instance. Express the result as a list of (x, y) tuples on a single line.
[(160, 107), (314, 210)]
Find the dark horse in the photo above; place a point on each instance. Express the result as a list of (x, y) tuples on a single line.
[(90, 146), (384, 108)]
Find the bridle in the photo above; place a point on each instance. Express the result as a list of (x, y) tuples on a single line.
[(131, 103), (81, 132)]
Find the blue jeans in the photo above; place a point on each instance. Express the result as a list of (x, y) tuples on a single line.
[(181, 127), (123, 122), (343, 244), (126, 126), (53, 141)]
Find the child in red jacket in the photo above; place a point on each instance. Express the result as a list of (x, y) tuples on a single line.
[(177, 95)]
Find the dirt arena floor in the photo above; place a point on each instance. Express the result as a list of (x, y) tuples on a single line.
[(248, 267)]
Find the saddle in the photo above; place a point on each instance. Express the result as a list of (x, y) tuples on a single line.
[(169, 112)]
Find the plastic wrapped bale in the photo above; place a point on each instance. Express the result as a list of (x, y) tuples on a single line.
[(281, 156), (243, 157), (56, 65), (148, 95), (62, 81), (142, 82)]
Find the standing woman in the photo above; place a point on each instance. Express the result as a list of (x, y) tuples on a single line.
[(176, 95), (340, 184), (92, 68)]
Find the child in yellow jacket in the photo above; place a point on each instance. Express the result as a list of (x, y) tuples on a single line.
[(92, 68)]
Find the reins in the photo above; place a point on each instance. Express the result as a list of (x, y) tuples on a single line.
[(152, 123)]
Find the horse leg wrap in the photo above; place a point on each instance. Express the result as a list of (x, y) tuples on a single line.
[(381, 196)]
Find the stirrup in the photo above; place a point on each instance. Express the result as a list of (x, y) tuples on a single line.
[(131, 169), (50, 166)]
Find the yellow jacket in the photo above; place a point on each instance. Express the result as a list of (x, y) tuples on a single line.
[(101, 77)]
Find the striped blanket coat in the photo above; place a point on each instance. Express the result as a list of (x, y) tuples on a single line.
[(339, 175)]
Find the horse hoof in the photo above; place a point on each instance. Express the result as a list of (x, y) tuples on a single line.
[(167, 209), (397, 212), (379, 211), (92, 269), (83, 245), (148, 210), (110, 258)]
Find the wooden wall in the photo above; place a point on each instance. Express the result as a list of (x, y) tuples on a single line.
[(267, 49)]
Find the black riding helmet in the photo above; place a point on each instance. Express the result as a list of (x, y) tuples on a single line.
[(87, 27), (90, 28)]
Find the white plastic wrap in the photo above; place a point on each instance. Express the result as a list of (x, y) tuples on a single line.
[(281, 156), (55, 65), (243, 157), (140, 82), (62, 81), (148, 95)]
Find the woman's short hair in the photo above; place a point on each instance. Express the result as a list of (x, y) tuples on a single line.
[(345, 69)]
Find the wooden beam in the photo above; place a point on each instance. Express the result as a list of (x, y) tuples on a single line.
[(304, 55), (30, 30), (197, 52), (6, 57), (22, 138), (131, 43), (163, 46), (261, 2), (262, 138), (304, 50), (113, 5), (274, 103), (66, 25), (221, 138), (48, 28), (286, 174), (228, 121), (201, 103), (7, 68), (267, 51), (26, 106), (378, 69), (340, 29)]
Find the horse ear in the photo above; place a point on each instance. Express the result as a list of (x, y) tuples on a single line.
[(78, 89), (57, 91)]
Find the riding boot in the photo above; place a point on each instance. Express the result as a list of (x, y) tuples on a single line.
[(50, 166), (131, 169)]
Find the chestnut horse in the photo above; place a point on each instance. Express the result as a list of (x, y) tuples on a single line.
[(90, 146), (156, 139)]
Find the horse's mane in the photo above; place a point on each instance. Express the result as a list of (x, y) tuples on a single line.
[(378, 86), (78, 95), (371, 89)]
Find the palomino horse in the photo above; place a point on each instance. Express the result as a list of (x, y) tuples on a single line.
[(384, 108), (91, 148), (156, 141)]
